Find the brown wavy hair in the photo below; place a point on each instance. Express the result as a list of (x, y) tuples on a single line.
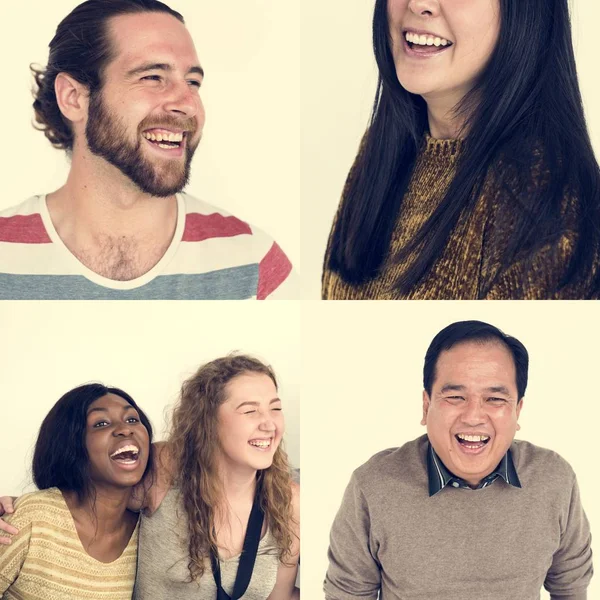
[(81, 48), (193, 445)]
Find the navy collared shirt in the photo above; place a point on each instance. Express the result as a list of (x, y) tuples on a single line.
[(440, 477)]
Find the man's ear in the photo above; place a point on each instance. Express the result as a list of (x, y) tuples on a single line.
[(519, 407), (426, 402), (72, 97)]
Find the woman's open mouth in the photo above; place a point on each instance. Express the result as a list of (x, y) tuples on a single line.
[(126, 456), (417, 44)]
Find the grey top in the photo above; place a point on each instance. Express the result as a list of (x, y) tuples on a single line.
[(391, 540), (163, 559)]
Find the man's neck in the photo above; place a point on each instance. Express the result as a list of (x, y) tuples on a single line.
[(108, 223)]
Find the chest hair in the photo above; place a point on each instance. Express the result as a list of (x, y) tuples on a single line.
[(121, 258)]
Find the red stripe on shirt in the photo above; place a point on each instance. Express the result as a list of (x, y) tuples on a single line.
[(24, 229), (272, 271), (203, 227)]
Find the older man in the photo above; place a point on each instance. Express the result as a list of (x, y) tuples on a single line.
[(465, 511), (121, 95)]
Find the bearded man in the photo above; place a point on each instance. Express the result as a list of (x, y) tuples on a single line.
[(121, 95)]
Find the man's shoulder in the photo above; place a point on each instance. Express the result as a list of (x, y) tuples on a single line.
[(204, 219), (23, 223), (244, 244), (532, 461), (31, 206), (400, 465)]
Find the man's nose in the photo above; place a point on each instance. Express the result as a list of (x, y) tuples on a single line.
[(474, 412), (182, 99)]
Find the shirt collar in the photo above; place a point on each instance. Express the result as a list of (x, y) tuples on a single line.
[(440, 477)]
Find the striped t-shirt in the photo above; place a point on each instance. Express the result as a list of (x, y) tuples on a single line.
[(46, 560), (213, 256)]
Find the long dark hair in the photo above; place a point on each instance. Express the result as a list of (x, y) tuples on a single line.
[(60, 458), (526, 109), (82, 48)]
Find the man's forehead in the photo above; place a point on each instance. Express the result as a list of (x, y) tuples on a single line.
[(151, 36), (473, 362)]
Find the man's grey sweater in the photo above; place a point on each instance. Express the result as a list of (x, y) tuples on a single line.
[(497, 543)]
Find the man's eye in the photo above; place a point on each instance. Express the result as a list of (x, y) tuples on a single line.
[(454, 398), (249, 412), (152, 78), (497, 400), (277, 409), (194, 83)]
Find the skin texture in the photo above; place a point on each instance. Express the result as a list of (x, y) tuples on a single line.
[(252, 411), (103, 523), (474, 393), (154, 98), (107, 213), (442, 80), (112, 423)]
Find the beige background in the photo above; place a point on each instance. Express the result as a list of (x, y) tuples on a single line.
[(248, 162), (339, 76), (145, 348), (362, 385)]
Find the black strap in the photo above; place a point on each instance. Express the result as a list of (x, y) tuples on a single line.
[(248, 557)]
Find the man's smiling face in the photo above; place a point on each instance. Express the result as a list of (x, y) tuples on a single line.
[(472, 413), (147, 119)]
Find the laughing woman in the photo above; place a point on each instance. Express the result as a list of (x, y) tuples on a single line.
[(476, 177), (76, 539), (225, 512)]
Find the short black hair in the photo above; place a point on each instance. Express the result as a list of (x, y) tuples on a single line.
[(60, 458), (82, 48), (467, 331)]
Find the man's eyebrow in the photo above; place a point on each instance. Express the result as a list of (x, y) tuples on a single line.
[(162, 67), (251, 403), (452, 387), (498, 389)]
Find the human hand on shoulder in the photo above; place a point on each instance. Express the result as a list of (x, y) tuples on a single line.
[(7, 508)]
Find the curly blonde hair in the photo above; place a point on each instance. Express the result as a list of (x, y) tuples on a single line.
[(193, 446)]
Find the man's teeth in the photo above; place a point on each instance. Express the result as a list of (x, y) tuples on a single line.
[(163, 137), (425, 40), (473, 438), (134, 450), (260, 443)]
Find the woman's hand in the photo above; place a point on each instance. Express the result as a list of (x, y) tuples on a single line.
[(7, 508)]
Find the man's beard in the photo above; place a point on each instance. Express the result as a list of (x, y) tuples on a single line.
[(107, 137)]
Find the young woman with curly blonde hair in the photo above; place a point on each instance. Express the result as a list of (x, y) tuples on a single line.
[(222, 467)]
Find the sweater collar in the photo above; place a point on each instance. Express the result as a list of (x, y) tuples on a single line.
[(440, 477)]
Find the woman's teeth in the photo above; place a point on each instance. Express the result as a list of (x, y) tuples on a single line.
[(426, 40), (260, 443), (127, 454)]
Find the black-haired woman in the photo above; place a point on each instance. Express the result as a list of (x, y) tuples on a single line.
[(476, 177), (76, 539)]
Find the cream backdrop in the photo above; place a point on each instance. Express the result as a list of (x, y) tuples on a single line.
[(248, 161), (145, 348), (339, 76), (362, 386)]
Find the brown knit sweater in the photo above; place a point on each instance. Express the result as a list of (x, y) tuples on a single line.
[(470, 265)]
